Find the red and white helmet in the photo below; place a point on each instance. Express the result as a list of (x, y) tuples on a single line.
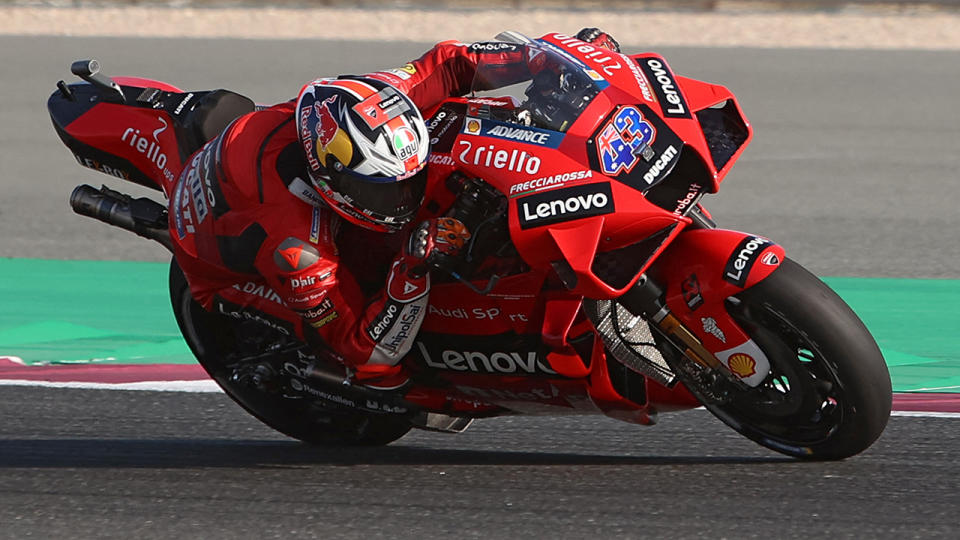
[(366, 146)]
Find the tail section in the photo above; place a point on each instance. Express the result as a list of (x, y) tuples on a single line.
[(108, 132), (137, 129)]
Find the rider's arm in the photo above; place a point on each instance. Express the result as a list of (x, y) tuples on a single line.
[(367, 333), (449, 67), (370, 335)]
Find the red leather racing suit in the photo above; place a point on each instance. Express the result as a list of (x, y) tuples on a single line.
[(257, 243)]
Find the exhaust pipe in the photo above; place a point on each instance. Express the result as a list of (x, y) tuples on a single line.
[(143, 216)]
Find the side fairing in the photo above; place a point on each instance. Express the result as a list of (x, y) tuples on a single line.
[(147, 138), (725, 128)]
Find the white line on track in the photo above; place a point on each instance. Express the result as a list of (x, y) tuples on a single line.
[(926, 414), (208, 386), (153, 386)]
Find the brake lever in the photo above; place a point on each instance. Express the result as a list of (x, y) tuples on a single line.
[(491, 283), (445, 265)]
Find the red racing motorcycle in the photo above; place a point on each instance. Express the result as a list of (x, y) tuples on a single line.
[(595, 281)]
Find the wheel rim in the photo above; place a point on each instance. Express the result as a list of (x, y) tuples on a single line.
[(801, 402), (301, 418)]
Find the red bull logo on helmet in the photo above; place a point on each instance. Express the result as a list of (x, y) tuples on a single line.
[(331, 140), (326, 124), (307, 140)]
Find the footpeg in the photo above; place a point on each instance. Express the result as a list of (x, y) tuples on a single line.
[(440, 422)]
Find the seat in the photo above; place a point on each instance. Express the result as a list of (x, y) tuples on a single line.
[(211, 114)]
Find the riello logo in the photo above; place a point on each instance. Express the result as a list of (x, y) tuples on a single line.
[(145, 146), (559, 205), (497, 158)]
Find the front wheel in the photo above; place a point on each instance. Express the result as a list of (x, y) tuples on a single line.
[(828, 394), (221, 345)]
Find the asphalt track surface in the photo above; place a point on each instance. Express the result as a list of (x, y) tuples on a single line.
[(97, 464), (853, 171)]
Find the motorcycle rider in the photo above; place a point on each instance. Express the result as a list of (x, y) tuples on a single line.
[(282, 218)]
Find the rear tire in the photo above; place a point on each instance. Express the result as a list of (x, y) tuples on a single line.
[(828, 395), (213, 338)]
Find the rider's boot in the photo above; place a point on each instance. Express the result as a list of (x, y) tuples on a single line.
[(381, 377)]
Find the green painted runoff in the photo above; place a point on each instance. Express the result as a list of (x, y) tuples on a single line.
[(119, 312)]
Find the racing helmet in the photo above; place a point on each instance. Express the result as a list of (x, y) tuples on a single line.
[(366, 147)]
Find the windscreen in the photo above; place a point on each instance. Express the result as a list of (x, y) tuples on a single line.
[(555, 88)]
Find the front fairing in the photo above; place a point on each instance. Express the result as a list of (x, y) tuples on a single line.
[(597, 192), (592, 198)]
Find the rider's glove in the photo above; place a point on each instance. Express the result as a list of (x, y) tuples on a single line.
[(595, 36), (435, 240)]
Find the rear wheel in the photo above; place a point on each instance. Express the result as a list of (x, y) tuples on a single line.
[(828, 394), (225, 348)]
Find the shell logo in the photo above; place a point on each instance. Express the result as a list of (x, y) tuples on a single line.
[(473, 126), (742, 365)]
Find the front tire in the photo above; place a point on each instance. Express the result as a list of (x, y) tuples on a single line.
[(828, 394), (217, 342)]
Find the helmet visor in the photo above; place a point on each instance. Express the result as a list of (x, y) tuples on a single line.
[(392, 199)]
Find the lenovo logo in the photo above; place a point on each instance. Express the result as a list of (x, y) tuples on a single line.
[(493, 362), (665, 86), (741, 261), (567, 204), (383, 322)]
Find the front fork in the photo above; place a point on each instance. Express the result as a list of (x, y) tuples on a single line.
[(708, 373), (646, 300)]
